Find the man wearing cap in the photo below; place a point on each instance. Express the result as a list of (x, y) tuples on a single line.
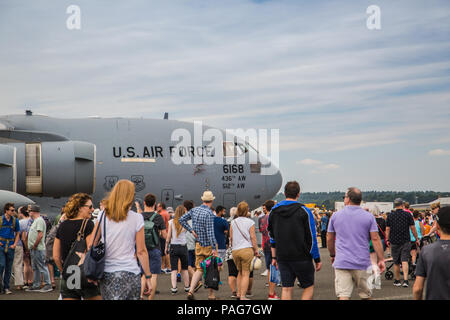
[(398, 224), (203, 230), (9, 237), (36, 244), (433, 263)]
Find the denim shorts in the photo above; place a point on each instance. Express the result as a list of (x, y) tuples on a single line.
[(191, 258), (154, 256), (268, 258)]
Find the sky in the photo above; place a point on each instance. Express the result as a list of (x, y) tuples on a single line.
[(354, 106)]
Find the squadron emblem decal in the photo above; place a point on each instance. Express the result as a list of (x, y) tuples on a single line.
[(138, 182), (110, 181)]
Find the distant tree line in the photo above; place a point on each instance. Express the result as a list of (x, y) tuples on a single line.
[(328, 199)]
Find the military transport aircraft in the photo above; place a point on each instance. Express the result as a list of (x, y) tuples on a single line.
[(48, 159)]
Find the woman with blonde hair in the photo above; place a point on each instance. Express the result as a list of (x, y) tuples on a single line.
[(176, 237), (75, 221), (122, 231), (244, 247)]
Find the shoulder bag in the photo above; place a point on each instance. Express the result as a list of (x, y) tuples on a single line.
[(77, 249), (94, 262)]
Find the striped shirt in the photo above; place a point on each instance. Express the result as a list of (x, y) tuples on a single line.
[(202, 223)]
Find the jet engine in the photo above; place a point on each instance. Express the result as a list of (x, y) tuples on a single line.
[(49, 169)]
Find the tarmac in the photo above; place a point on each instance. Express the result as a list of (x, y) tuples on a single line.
[(323, 289)]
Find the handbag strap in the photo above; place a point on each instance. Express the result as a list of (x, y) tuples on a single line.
[(237, 226), (381, 229), (80, 234), (99, 226)]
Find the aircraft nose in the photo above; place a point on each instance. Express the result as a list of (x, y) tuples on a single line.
[(273, 184)]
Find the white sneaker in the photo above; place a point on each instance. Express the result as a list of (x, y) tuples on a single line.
[(264, 274), (7, 291)]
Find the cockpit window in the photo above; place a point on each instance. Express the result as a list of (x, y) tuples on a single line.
[(233, 149), (228, 149), (249, 146), (242, 148)]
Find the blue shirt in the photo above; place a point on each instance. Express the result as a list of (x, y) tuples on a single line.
[(220, 226), (6, 230), (323, 223), (419, 231), (202, 223)]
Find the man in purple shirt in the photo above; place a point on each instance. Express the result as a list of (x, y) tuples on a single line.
[(349, 233)]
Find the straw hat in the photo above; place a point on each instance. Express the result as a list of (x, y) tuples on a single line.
[(208, 196), (256, 264)]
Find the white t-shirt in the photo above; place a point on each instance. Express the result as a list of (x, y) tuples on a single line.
[(239, 241), (181, 239), (190, 239), (121, 243)]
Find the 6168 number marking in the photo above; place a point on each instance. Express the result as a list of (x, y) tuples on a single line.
[(233, 168)]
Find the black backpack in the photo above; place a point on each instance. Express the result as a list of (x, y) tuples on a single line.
[(212, 276), (151, 233)]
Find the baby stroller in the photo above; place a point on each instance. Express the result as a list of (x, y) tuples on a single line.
[(389, 275), (426, 241)]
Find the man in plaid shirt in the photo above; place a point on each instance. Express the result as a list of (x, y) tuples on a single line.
[(206, 244)]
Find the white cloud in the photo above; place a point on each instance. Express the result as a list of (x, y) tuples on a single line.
[(439, 152), (313, 71), (319, 166), (331, 166), (309, 162), (363, 139)]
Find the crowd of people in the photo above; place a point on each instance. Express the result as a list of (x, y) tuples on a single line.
[(140, 245)]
